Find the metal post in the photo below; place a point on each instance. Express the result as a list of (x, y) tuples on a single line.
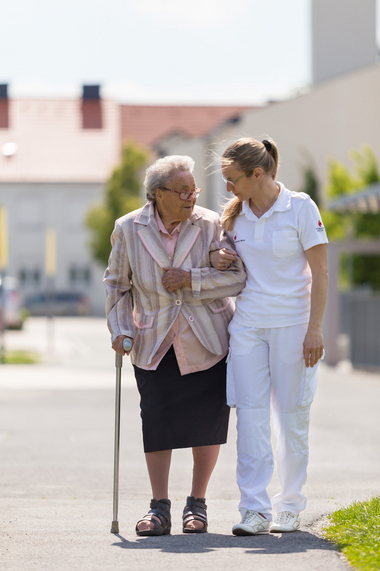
[(2, 318), (50, 271), (4, 252)]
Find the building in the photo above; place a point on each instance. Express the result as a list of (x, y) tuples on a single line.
[(343, 37), (56, 155), (149, 124)]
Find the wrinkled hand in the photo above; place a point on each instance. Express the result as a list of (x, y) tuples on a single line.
[(222, 259), (175, 278), (117, 345), (313, 347)]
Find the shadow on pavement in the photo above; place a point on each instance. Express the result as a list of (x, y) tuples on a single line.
[(298, 542)]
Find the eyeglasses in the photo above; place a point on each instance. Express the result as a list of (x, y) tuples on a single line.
[(184, 194), (233, 182)]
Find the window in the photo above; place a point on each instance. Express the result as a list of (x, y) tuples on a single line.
[(79, 275), (29, 276)]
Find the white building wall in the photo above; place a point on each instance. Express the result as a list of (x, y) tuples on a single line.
[(311, 129), (196, 149), (328, 122), (343, 37), (34, 207)]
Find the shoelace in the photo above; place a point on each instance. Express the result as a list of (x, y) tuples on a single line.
[(283, 517), (247, 516)]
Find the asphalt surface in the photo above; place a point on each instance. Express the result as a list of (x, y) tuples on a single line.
[(56, 467)]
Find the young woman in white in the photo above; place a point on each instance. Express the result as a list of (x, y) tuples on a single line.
[(276, 341)]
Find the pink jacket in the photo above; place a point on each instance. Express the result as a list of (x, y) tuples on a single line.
[(135, 265)]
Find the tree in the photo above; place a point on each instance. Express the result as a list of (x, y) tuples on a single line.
[(310, 184), (121, 195), (357, 269)]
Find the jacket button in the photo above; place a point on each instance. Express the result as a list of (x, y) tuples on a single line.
[(178, 302), (191, 318)]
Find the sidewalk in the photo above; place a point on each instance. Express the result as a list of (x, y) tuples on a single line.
[(56, 449)]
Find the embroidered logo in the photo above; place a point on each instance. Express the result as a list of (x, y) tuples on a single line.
[(320, 226), (236, 239)]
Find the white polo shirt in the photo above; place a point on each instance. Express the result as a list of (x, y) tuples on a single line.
[(277, 291)]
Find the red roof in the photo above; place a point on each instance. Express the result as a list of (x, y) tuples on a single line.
[(146, 124)]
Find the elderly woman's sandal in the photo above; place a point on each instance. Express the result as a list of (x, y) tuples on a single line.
[(159, 509), (195, 510)]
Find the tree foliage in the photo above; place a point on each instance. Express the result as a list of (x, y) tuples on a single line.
[(121, 195), (358, 269), (310, 184)]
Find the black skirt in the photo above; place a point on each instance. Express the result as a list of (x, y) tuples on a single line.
[(182, 411)]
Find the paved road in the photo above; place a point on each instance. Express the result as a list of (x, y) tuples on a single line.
[(56, 449)]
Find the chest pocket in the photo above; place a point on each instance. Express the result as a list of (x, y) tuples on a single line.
[(285, 243)]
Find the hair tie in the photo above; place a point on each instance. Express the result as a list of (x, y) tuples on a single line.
[(267, 145)]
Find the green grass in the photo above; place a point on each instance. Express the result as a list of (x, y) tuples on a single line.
[(355, 530), (20, 358)]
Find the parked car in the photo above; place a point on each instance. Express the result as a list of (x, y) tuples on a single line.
[(12, 311), (58, 303)]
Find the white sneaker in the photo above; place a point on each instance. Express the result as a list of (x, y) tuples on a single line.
[(285, 521), (252, 523)]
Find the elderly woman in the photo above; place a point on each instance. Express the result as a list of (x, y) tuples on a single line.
[(163, 294)]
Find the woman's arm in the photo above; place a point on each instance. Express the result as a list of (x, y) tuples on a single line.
[(117, 281), (207, 282), (175, 278), (313, 344)]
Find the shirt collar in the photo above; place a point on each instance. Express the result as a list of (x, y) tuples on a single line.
[(161, 226), (282, 203), (146, 214)]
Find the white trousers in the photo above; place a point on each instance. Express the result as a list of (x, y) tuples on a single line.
[(266, 370)]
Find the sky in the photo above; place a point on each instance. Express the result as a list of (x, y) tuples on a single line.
[(221, 52)]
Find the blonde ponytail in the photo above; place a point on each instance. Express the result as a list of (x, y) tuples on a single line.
[(230, 213)]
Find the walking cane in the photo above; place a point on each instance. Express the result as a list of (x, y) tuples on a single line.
[(127, 346)]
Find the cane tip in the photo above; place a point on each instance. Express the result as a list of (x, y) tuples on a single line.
[(115, 527)]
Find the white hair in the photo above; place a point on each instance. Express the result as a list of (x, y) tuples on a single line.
[(158, 174)]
